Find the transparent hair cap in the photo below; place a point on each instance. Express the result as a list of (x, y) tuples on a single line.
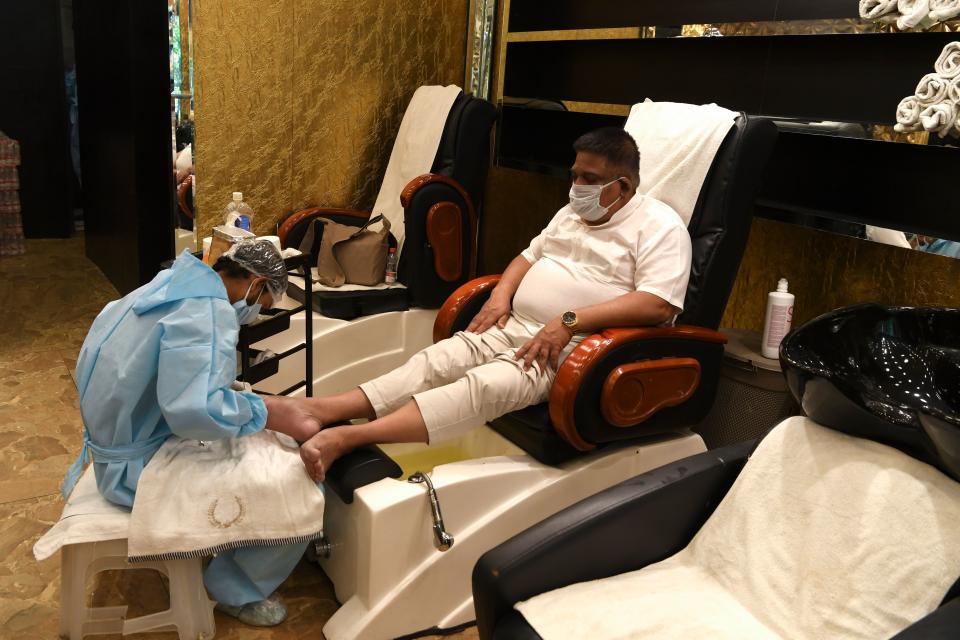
[(261, 258)]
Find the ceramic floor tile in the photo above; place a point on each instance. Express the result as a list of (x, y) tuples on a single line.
[(29, 591)]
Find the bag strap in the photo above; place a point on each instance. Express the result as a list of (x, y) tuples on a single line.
[(378, 218)]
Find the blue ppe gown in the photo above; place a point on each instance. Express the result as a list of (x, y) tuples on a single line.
[(160, 362)]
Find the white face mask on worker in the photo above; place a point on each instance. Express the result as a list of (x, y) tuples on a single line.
[(585, 200)]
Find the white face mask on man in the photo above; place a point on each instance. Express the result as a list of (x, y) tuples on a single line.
[(585, 200)]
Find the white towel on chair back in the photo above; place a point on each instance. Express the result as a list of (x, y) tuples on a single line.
[(414, 150), (195, 500), (822, 535), (677, 143)]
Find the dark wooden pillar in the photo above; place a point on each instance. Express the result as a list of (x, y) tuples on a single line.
[(123, 82), (33, 110)]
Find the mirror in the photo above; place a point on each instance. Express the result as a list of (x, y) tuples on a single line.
[(180, 27), (483, 17)]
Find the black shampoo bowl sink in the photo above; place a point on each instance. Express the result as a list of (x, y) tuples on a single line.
[(890, 374)]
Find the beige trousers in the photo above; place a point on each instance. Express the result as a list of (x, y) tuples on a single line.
[(464, 381)]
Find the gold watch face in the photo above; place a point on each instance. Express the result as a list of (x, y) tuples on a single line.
[(569, 318)]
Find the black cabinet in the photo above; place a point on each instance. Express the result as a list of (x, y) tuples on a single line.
[(277, 321)]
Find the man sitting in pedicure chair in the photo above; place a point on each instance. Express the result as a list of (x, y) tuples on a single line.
[(611, 257)]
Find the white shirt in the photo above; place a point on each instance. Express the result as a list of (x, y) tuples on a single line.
[(644, 247)]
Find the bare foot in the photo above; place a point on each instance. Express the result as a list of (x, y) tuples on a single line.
[(320, 451), (289, 416)]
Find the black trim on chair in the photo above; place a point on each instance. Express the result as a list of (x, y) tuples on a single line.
[(941, 624), (359, 468)]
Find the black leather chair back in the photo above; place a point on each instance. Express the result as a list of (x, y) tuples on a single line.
[(464, 151), (720, 223), (464, 156)]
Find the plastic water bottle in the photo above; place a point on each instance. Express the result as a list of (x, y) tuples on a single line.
[(238, 213), (391, 273)]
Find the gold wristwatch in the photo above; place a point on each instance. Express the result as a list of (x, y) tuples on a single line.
[(569, 320)]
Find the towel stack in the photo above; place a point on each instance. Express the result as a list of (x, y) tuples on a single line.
[(910, 14), (11, 228), (935, 105)]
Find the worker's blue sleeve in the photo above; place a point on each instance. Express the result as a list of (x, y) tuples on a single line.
[(197, 364)]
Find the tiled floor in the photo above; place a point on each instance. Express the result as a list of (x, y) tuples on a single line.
[(48, 298)]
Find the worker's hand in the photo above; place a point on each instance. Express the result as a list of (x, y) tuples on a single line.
[(320, 451), (545, 347), (495, 311)]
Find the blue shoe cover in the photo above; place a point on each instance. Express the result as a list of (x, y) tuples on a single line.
[(265, 613)]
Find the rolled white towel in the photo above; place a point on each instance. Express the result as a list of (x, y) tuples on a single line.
[(913, 13), (873, 9), (939, 118), (948, 64), (942, 10), (908, 115), (932, 88), (953, 91)]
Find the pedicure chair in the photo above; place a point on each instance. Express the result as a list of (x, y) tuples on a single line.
[(875, 374), (404, 524)]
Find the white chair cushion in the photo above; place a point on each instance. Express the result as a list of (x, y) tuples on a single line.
[(823, 535), (87, 517)]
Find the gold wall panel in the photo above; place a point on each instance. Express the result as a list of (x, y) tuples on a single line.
[(827, 271), (517, 206), (299, 101)]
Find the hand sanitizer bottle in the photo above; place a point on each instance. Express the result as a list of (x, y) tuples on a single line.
[(778, 320)]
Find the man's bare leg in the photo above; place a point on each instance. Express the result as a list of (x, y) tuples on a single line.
[(403, 425), (339, 407)]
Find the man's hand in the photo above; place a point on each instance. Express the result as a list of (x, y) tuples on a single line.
[(495, 311), (545, 347)]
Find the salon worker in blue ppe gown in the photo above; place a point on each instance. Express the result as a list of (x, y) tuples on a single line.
[(161, 361)]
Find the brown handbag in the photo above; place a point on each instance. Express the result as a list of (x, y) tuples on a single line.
[(348, 255)]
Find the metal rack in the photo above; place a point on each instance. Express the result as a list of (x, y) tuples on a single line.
[(279, 321)]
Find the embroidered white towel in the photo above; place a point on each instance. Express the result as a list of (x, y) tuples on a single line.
[(948, 64), (908, 115), (414, 150), (913, 13), (677, 145), (942, 10), (873, 9), (194, 500), (931, 89), (939, 118)]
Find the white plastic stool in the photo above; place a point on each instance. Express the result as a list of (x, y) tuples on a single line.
[(190, 613)]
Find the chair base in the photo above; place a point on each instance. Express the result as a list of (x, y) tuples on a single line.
[(190, 614), (488, 491)]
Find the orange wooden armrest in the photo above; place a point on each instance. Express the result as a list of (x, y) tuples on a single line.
[(182, 189), (454, 305), (315, 212), (593, 349), (633, 392), (444, 228)]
